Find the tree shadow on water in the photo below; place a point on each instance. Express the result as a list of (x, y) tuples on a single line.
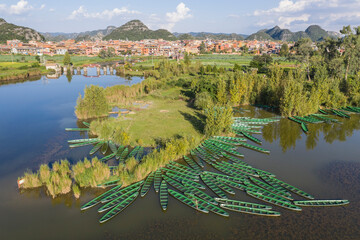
[(197, 120)]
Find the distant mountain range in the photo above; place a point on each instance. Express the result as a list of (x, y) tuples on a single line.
[(135, 30), (314, 32), (10, 31)]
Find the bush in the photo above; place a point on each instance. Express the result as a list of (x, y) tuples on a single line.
[(76, 191), (94, 103), (203, 100)]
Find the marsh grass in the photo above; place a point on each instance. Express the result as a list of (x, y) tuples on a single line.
[(32, 180), (76, 191)]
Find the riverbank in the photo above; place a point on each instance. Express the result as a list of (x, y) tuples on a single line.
[(15, 71)]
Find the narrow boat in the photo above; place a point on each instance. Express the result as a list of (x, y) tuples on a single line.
[(275, 185), (108, 157), (234, 159), (218, 183), (83, 144), (119, 152), (213, 187), (323, 112), (304, 127), (254, 139), (255, 211), (238, 167), (77, 129), (242, 204), (233, 184), (121, 192), (182, 198), (192, 164), (147, 184), (164, 196), (176, 177), (222, 176), (157, 180), (181, 174), (182, 168), (274, 201), (175, 184), (295, 120), (207, 205), (200, 194), (133, 152), (86, 124), (192, 183), (82, 140), (109, 183), (254, 147), (96, 147), (194, 157), (288, 186), (321, 203), (139, 154), (104, 147), (112, 146), (98, 199), (235, 139), (120, 207), (124, 155), (263, 186), (117, 200)]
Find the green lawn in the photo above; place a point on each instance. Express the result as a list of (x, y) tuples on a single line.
[(165, 117)]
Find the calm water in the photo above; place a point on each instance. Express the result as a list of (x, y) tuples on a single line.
[(324, 163)]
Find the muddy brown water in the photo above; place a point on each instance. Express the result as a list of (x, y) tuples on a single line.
[(324, 163)]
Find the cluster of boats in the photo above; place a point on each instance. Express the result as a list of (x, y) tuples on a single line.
[(213, 190), (324, 116)]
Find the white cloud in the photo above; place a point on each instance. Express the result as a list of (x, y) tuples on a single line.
[(286, 21), (42, 7), (21, 7), (52, 10), (182, 12), (106, 14)]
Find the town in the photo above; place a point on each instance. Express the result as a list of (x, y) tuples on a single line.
[(159, 47)]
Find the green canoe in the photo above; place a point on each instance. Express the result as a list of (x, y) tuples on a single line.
[(124, 155), (113, 147), (119, 152), (200, 194), (194, 157), (182, 198), (77, 129), (117, 200), (98, 199), (321, 203), (211, 207), (121, 192), (82, 140), (104, 147), (175, 184), (218, 183), (109, 183), (213, 187), (192, 183), (120, 207), (86, 124), (164, 196), (108, 157), (242, 203), (274, 201), (157, 180), (192, 164), (96, 147), (147, 184), (255, 211), (83, 144)]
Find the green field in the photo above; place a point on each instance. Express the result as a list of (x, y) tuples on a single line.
[(167, 116)]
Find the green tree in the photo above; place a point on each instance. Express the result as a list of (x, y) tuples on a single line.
[(304, 50), (351, 46), (261, 62), (187, 60), (67, 59), (284, 50), (202, 48), (94, 103)]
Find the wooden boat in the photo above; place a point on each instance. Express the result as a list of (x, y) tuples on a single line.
[(83, 144), (121, 192), (108, 157), (192, 164), (238, 167), (176, 177), (104, 147), (112, 146), (181, 167), (134, 152), (98, 199), (254, 139), (234, 139), (109, 183), (213, 187), (124, 155), (321, 203), (304, 127), (323, 112), (270, 188), (255, 211), (295, 120), (119, 152), (200, 194), (76, 129), (254, 147), (218, 183), (207, 205), (118, 200), (233, 184), (120, 207), (164, 196), (274, 201), (157, 180), (147, 184), (96, 147), (194, 157), (86, 124), (263, 173), (242, 203), (288, 186), (192, 183), (235, 159), (82, 140), (222, 176), (175, 184), (181, 174), (182, 198), (139, 154)]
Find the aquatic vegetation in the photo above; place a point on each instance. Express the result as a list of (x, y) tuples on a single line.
[(110, 129), (31, 180), (76, 190), (93, 104)]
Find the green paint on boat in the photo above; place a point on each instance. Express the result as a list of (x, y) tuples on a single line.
[(77, 129), (118, 200), (274, 201), (175, 184), (147, 184), (271, 188), (86, 124), (120, 207), (288, 186), (104, 147), (194, 157), (82, 140), (98, 199), (218, 183), (238, 167), (119, 152), (96, 147), (192, 164), (213, 187), (83, 144), (121, 192), (242, 203), (304, 127), (184, 168), (254, 139), (112, 146), (108, 157), (200, 194), (181, 174), (254, 147), (255, 211), (157, 180), (164, 196), (211, 207), (321, 203), (182, 198), (192, 183), (109, 183), (124, 155)]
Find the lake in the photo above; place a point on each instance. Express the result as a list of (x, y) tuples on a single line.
[(34, 114)]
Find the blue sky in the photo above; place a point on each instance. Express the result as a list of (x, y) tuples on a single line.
[(181, 16)]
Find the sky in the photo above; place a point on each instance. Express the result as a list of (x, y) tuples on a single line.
[(236, 16)]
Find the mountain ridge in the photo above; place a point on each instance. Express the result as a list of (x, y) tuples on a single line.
[(9, 31)]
